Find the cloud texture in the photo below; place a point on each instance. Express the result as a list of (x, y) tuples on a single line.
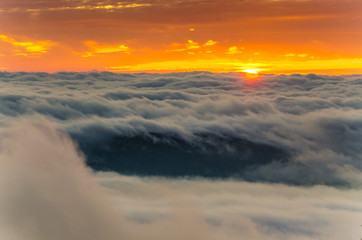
[(297, 129), (46, 192)]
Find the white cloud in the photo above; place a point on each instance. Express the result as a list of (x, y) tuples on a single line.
[(46, 192), (303, 129), (235, 210)]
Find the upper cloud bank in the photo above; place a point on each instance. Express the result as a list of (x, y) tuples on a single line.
[(297, 129)]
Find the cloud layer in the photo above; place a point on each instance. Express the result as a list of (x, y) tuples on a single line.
[(236, 210), (46, 192), (297, 129)]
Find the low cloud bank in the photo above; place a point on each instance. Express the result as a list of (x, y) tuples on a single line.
[(297, 129), (47, 192), (238, 210)]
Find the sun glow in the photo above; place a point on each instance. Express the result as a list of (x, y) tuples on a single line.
[(251, 71), (251, 74)]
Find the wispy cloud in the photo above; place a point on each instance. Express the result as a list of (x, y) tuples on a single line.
[(191, 46), (100, 49), (109, 7), (210, 43), (295, 54), (234, 50), (27, 48)]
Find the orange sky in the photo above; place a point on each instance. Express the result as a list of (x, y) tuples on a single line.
[(267, 36)]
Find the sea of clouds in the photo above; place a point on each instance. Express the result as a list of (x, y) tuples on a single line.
[(180, 155), (297, 129)]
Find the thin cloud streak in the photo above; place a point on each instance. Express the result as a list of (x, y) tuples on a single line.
[(110, 7)]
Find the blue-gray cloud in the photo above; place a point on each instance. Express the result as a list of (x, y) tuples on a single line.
[(296, 129)]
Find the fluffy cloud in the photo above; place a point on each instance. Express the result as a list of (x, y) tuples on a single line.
[(235, 210), (46, 192), (297, 129)]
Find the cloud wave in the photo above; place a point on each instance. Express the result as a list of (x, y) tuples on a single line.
[(297, 129)]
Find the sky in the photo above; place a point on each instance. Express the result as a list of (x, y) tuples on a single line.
[(265, 36), (180, 119)]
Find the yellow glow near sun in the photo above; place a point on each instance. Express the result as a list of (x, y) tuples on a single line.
[(251, 71)]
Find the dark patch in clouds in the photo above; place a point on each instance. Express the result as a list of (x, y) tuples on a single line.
[(162, 155), (47, 192), (297, 129)]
